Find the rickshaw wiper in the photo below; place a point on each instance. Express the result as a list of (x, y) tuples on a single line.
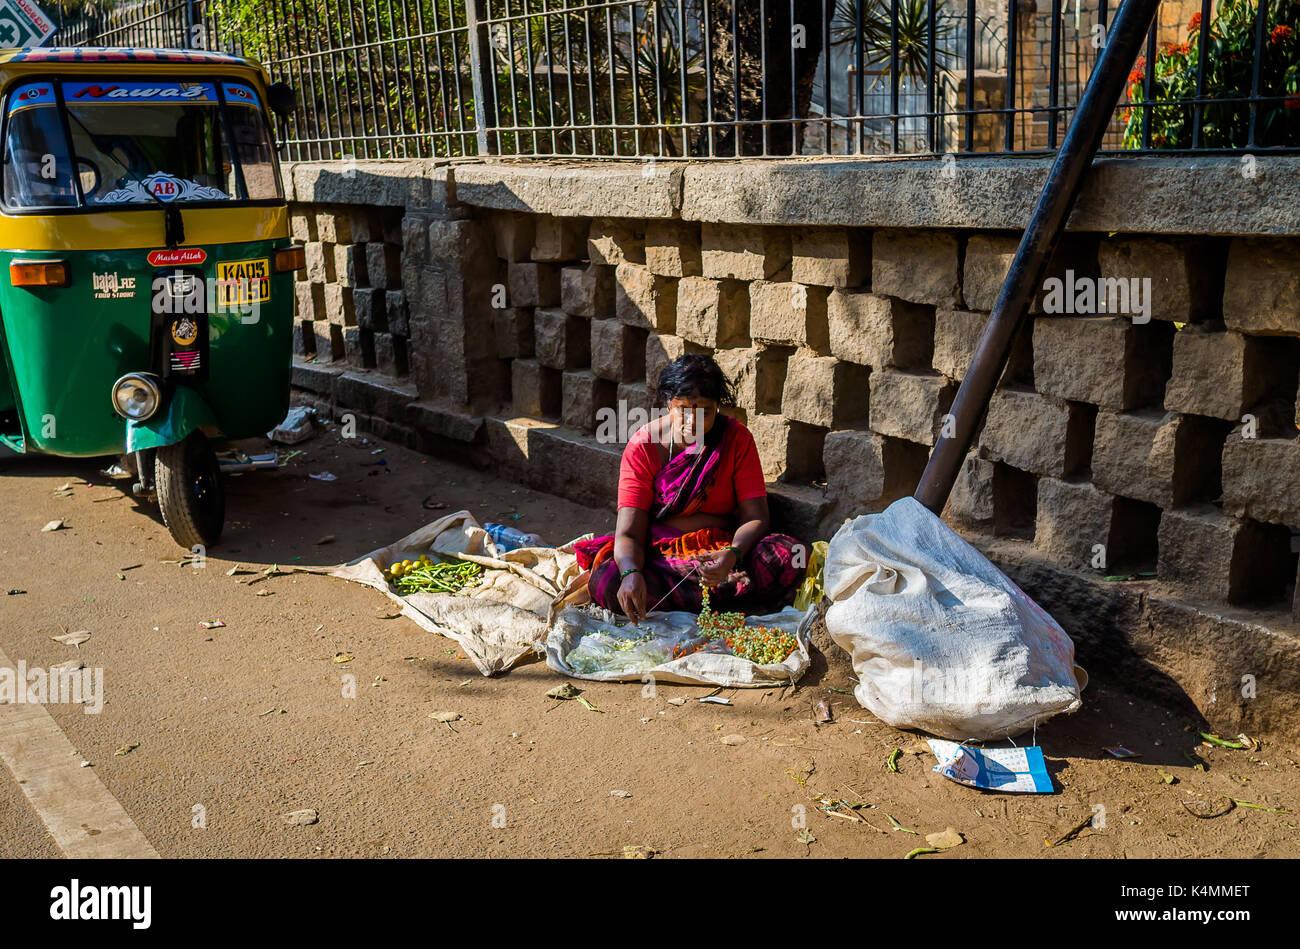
[(173, 223)]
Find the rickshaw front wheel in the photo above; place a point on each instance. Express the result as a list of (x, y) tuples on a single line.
[(187, 479)]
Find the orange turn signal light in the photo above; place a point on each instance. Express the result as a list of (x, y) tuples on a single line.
[(290, 258), (38, 273)]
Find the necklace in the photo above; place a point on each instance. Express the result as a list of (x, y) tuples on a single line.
[(672, 444)]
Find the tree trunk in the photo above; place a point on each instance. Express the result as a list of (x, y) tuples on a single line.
[(741, 54)]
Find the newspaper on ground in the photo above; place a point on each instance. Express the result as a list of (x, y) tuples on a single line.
[(1012, 770)]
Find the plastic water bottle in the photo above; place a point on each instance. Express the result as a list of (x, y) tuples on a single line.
[(507, 538)]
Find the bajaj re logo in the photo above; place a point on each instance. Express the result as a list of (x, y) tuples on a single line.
[(111, 286)]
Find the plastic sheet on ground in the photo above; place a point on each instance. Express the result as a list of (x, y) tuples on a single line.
[(499, 622), (584, 643), (295, 428)]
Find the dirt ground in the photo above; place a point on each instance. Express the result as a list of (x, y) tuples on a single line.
[(249, 720)]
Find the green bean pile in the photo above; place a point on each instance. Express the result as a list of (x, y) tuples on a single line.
[(438, 577)]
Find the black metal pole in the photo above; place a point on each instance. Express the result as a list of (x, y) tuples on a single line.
[(1082, 139)]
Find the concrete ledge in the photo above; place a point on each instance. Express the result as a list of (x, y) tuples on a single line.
[(315, 379), (558, 460), (374, 394), (1174, 195), (361, 390), (444, 422), (414, 183), (572, 189), (1149, 194)]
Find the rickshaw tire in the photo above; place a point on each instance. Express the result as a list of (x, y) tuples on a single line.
[(193, 517)]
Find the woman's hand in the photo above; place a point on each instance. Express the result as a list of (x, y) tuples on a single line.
[(631, 596), (716, 566)]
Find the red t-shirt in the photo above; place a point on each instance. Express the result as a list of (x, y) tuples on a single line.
[(739, 477)]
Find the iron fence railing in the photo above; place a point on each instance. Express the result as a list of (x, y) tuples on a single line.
[(726, 78)]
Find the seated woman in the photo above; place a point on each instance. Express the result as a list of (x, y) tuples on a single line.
[(692, 510)]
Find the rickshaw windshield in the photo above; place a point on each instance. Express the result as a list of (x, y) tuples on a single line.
[(136, 142)]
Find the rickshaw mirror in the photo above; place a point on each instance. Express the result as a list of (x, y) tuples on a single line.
[(282, 99)]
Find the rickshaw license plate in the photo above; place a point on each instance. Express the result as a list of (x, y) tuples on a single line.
[(243, 281)]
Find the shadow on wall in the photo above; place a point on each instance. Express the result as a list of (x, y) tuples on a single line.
[(365, 184)]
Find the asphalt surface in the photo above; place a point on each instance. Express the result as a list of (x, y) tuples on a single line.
[(208, 738)]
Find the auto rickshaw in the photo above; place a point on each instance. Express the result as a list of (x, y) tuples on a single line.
[(146, 298)]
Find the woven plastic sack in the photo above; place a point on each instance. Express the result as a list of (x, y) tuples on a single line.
[(942, 640)]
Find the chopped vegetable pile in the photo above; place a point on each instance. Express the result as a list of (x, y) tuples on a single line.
[(426, 576), (764, 645)]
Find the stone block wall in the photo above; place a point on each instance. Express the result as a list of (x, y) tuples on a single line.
[(1115, 446), (350, 303), (525, 300)]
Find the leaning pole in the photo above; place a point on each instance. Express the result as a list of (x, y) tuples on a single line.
[(1082, 140)]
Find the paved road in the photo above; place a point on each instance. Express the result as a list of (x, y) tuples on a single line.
[(235, 727)]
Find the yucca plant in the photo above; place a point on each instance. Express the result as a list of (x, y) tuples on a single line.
[(913, 34)]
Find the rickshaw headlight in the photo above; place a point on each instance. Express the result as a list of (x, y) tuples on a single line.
[(38, 273), (290, 258), (136, 396)]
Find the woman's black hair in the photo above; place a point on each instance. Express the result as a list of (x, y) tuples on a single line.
[(694, 374)]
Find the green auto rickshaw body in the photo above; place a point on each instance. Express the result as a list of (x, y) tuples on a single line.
[(63, 347)]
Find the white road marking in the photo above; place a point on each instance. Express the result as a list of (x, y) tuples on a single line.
[(81, 815)]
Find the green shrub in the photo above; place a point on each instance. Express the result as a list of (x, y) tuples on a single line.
[(1229, 74)]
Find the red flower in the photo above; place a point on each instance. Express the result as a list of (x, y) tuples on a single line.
[(1293, 102), (1195, 24), (1279, 34), (1139, 70)]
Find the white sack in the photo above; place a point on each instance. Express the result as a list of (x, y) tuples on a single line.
[(942, 640)]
